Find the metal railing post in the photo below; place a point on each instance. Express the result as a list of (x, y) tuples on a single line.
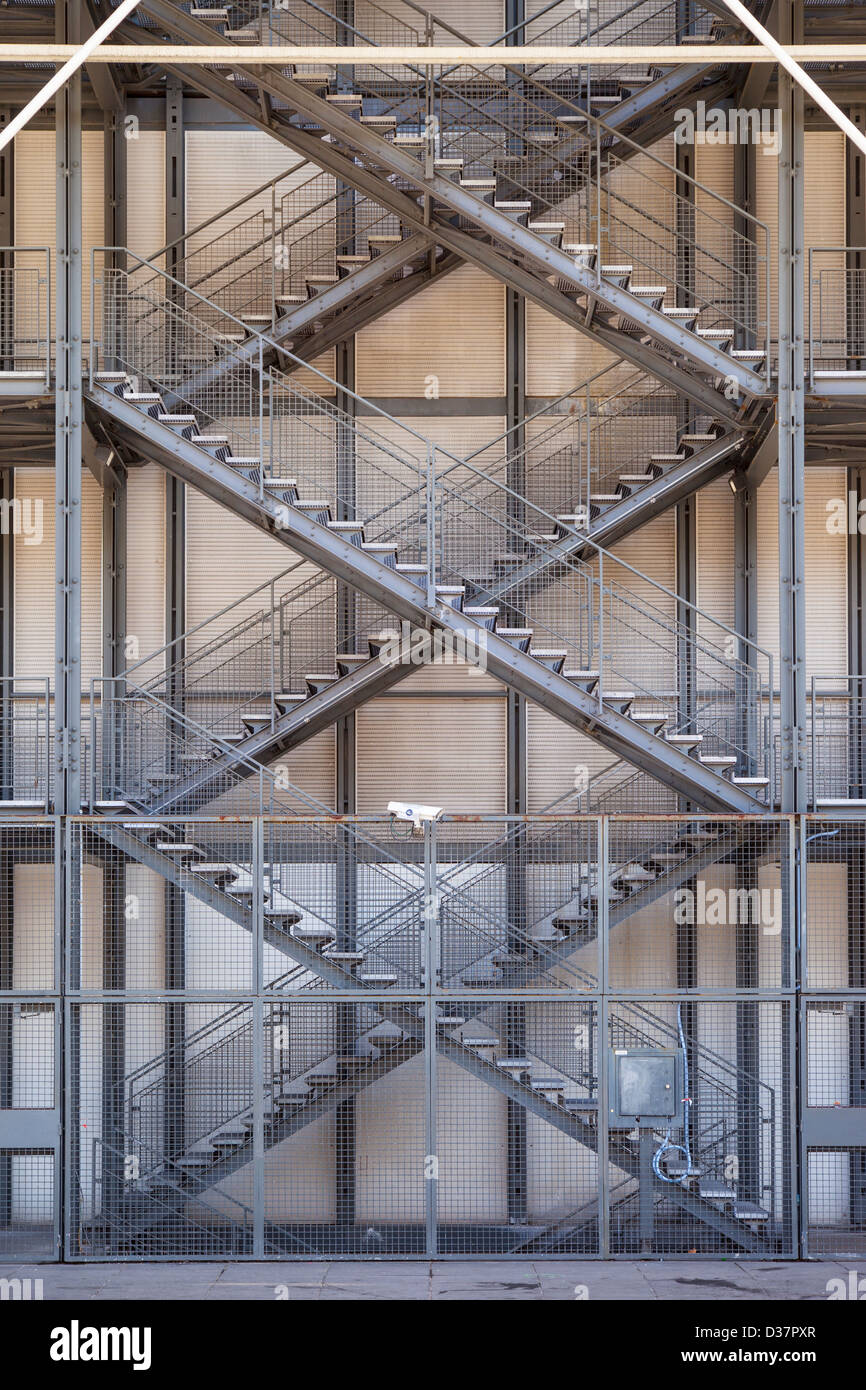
[(47, 744), (811, 321), (812, 751), (273, 257), (599, 687), (772, 699), (273, 655), (92, 778), (598, 254), (431, 981), (588, 483), (262, 417), (431, 491)]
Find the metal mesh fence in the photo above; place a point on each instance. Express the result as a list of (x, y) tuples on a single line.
[(25, 328), (28, 939), (28, 1182), (837, 312), (833, 1068), (713, 1173), (313, 1037), (833, 925), (836, 1222)]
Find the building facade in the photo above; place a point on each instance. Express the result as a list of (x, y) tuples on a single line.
[(482, 439)]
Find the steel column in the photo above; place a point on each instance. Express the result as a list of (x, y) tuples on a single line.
[(113, 1035), (7, 238), (745, 198), (855, 235), (115, 182), (792, 546), (69, 423), (516, 706), (175, 626), (114, 530), (746, 609), (347, 886), (7, 1036)]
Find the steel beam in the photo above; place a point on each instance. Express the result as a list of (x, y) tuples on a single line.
[(360, 55), (110, 471), (175, 624), (855, 235), (100, 75), (746, 606), (113, 1021), (628, 515)]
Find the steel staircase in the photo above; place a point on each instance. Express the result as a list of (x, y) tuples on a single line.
[(616, 717), (264, 681), (629, 99), (628, 295)]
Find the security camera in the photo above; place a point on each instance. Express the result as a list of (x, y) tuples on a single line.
[(403, 810)]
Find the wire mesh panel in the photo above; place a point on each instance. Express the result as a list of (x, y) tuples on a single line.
[(344, 1130), (836, 1203), (158, 1100), (834, 923), (28, 1193), (360, 897), (316, 1039), (708, 1171), (27, 935), (160, 904), (837, 311), (28, 1055), (516, 1162), (517, 904), (29, 1130), (833, 1049), (26, 723), (699, 903), (25, 296)]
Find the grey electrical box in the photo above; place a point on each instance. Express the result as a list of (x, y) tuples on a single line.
[(646, 1087)]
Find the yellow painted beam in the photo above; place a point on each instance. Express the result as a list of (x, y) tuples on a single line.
[(248, 55)]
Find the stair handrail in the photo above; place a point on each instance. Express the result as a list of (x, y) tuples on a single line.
[(263, 340), (211, 618), (39, 333), (277, 229), (175, 717), (600, 551), (225, 212), (593, 124), (511, 497)]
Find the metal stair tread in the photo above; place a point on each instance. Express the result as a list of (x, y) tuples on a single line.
[(716, 1191), (750, 1211)]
